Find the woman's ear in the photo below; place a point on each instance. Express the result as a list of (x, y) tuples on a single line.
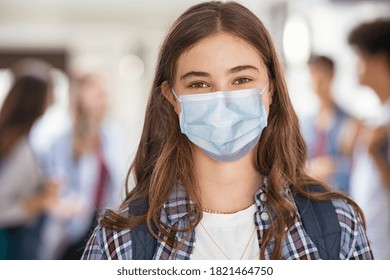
[(166, 91)]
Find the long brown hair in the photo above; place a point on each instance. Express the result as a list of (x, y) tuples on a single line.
[(24, 104), (164, 155)]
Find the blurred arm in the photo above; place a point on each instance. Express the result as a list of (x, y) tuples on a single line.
[(376, 142)]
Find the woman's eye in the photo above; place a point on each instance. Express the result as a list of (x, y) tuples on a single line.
[(241, 81), (198, 85)]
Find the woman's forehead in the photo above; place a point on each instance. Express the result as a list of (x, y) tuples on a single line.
[(219, 51)]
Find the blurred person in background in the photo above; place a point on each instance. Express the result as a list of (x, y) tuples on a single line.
[(88, 162), (370, 181), (25, 193), (329, 134)]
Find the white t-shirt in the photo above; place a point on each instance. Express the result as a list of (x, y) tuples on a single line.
[(235, 235)]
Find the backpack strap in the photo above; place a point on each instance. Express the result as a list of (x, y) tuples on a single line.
[(320, 221), (143, 243)]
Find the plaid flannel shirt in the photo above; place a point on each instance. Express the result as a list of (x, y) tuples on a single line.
[(107, 244)]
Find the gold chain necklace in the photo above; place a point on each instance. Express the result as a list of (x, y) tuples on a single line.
[(222, 251), (218, 212)]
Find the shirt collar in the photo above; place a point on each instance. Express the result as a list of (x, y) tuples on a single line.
[(176, 206)]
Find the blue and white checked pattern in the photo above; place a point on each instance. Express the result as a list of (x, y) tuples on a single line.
[(107, 244)]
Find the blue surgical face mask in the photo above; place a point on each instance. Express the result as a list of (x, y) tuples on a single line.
[(226, 125)]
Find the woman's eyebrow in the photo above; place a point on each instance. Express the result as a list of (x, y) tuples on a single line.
[(195, 74), (242, 68), (230, 71)]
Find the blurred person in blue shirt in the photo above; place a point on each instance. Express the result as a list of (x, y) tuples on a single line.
[(88, 162), (25, 193), (329, 133), (370, 181)]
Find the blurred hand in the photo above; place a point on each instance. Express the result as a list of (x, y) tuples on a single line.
[(321, 167), (42, 201), (68, 207), (375, 139), (50, 195)]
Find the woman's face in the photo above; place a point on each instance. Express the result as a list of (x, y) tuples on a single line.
[(220, 62), (93, 97), (321, 79)]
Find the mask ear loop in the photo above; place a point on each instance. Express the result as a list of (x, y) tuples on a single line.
[(262, 91), (174, 93), (266, 85)]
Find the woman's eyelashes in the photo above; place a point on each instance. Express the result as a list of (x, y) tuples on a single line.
[(242, 80), (198, 85), (201, 85)]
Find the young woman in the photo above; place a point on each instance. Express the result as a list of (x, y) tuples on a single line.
[(221, 157), (87, 160), (25, 194)]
